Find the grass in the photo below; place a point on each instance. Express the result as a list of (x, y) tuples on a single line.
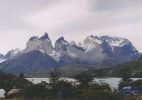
[(16, 98), (126, 98), (133, 98)]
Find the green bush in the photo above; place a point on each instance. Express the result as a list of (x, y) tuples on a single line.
[(36, 91)]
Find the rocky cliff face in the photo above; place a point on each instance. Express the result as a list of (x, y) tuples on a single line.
[(42, 44)]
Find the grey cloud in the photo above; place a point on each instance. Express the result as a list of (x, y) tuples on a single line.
[(12, 12), (24, 6), (113, 5)]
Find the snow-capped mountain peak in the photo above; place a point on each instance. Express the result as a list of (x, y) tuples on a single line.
[(93, 41), (115, 41)]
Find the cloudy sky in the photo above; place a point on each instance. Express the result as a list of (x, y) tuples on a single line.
[(73, 19)]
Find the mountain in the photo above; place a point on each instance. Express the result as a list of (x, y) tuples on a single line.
[(109, 49), (10, 55), (29, 62), (95, 51), (98, 50), (69, 52), (61, 45)]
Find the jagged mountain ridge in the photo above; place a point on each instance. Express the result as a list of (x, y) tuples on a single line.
[(99, 51), (43, 43)]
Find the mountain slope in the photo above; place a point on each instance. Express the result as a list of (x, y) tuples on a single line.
[(29, 62), (1, 58), (133, 68)]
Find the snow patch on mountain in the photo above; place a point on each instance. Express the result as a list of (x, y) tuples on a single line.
[(92, 42), (55, 55), (115, 41), (13, 53), (2, 60)]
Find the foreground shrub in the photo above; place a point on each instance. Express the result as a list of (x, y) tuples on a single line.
[(36, 91)]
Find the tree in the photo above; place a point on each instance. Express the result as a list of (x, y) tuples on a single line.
[(59, 88), (21, 76), (137, 83), (84, 79), (36, 91), (55, 75), (126, 75), (62, 90), (8, 81), (140, 57)]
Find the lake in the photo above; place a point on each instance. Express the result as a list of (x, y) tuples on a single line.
[(112, 81)]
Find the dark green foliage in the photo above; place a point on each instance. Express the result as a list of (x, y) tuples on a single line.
[(125, 73), (100, 86), (21, 76), (9, 81), (138, 74), (97, 91), (36, 91), (84, 79), (59, 89), (125, 81), (137, 83), (54, 75), (140, 57), (87, 89), (132, 69), (62, 89)]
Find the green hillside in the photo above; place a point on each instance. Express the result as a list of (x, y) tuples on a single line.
[(133, 69)]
